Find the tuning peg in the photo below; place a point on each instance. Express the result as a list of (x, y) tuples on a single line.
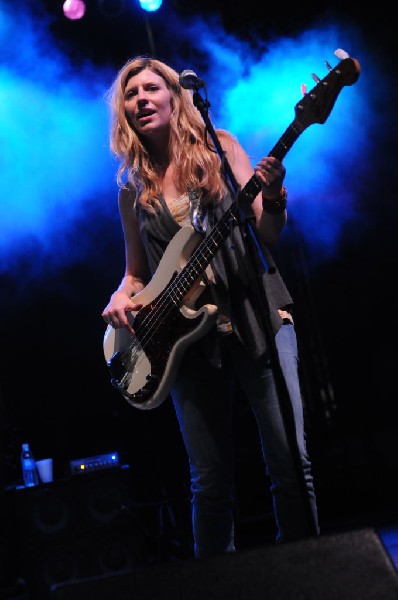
[(315, 77), (328, 66), (303, 89), (341, 54)]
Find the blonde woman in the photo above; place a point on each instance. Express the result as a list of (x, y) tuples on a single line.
[(170, 176)]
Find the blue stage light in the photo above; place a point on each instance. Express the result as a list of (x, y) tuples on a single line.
[(150, 5)]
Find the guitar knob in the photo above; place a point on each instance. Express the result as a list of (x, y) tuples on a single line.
[(315, 77)]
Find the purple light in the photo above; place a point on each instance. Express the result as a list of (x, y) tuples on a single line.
[(74, 9)]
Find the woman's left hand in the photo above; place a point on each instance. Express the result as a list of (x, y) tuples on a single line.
[(271, 173)]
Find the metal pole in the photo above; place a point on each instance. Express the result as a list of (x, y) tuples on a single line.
[(150, 35)]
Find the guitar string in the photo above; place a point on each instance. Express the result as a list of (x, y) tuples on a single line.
[(172, 296), (166, 301), (224, 224)]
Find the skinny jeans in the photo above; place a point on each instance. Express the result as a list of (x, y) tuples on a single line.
[(203, 397)]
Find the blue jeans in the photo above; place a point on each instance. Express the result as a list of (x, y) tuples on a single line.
[(202, 397)]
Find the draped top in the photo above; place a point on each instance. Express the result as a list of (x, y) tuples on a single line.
[(235, 291)]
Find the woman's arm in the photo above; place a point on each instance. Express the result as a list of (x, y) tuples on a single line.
[(270, 173), (136, 267)]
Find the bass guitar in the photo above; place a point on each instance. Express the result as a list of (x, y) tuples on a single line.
[(143, 366)]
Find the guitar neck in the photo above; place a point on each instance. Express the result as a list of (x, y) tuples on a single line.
[(286, 141), (203, 254), (279, 151), (211, 244)]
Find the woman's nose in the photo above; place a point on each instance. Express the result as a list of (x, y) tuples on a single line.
[(141, 95)]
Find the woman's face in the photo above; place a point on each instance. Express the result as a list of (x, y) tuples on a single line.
[(147, 103)]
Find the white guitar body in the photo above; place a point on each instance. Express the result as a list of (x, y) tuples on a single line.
[(162, 363)]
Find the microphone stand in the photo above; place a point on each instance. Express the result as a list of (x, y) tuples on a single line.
[(254, 247)]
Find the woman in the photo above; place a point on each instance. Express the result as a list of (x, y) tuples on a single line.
[(170, 175)]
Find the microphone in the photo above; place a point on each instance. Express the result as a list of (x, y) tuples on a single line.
[(190, 81)]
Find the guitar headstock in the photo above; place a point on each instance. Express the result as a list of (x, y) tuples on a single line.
[(316, 105)]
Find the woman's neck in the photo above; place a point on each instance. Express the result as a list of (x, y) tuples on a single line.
[(158, 149)]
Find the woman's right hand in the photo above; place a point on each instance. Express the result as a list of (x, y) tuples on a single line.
[(115, 313)]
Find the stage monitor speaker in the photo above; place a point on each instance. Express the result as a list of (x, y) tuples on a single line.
[(78, 527), (347, 566)]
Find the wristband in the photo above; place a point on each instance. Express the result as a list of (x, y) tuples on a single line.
[(277, 206)]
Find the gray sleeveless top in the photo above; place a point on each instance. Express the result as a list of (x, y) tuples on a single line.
[(233, 287)]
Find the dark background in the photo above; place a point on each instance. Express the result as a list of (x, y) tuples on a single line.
[(54, 386)]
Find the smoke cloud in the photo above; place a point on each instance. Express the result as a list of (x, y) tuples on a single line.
[(56, 170)]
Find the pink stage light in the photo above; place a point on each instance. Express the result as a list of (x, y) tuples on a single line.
[(74, 9)]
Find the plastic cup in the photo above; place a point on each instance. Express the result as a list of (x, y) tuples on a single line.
[(45, 469)]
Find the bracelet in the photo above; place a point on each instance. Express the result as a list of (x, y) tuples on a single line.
[(277, 206)]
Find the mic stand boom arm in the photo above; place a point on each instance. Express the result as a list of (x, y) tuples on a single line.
[(244, 201)]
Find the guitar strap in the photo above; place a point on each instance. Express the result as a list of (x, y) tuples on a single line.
[(197, 212), (200, 221)]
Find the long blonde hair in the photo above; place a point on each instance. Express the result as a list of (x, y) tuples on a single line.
[(195, 163)]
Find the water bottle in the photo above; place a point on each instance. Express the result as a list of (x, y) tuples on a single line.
[(28, 463)]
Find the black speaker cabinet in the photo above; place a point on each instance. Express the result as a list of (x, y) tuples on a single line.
[(347, 566), (81, 527)]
